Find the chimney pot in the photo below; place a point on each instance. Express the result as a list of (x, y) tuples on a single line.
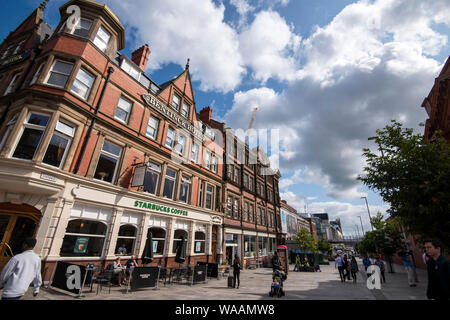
[(140, 57)]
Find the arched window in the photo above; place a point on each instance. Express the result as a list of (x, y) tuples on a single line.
[(177, 239), (126, 240), (83, 238), (200, 238), (158, 239)]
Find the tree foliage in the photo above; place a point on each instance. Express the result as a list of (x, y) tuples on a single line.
[(414, 178), (386, 238), (305, 240), (325, 247)]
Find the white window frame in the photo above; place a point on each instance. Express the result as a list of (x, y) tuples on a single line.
[(208, 157), (172, 136), (9, 127), (126, 237), (185, 180), (212, 196), (51, 71), (81, 83), (155, 168), (214, 163), (69, 136), (128, 112), (12, 84), (185, 110), (19, 46), (37, 74), (26, 125), (78, 26), (194, 155), (173, 102), (100, 42), (156, 129), (111, 155), (183, 145), (174, 179), (5, 53)]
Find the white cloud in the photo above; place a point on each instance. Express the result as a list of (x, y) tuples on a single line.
[(269, 47), (372, 63), (195, 29)]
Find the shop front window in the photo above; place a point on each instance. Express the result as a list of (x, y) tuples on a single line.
[(199, 246), (83, 238), (178, 239), (126, 240), (158, 239), (262, 246), (249, 246)]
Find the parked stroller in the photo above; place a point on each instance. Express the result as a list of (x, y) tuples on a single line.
[(276, 288)]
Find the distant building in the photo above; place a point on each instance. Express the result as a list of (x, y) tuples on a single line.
[(326, 229)]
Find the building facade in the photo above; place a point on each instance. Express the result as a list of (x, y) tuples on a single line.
[(94, 155), (251, 197), (437, 105)]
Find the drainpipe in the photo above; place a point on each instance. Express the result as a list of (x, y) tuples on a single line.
[(88, 135)]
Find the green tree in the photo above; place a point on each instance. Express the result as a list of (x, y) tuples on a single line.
[(325, 247), (413, 176), (386, 238), (305, 240)]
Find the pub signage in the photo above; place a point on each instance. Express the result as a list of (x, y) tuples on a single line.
[(14, 59), (168, 112)]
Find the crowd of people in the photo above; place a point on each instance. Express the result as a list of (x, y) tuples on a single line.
[(25, 269)]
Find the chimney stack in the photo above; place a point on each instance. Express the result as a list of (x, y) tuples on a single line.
[(206, 115), (140, 57)]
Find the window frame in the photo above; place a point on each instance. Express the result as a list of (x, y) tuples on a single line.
[(76, 80), (12, 83), (185, 181), (212, 196), (158, 239), (156, 129), (169, 129), (72, 32), (173, 102), (26, 125), (37, 74), (154, 171), (128, 113), (110, 155), (202, 242), (57, 72), (62, 135), (174, 179), (196, 153), (128, 238), (188, 108), (101, 28)]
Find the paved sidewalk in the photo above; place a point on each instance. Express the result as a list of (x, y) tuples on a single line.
[(255, 285)]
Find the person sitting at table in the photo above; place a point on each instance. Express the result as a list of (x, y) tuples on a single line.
[(129, 266), (119, 271), (122, 250)]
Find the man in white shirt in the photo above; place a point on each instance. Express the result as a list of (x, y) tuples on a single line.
[(20, 271)]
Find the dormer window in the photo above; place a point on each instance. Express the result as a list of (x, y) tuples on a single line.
[(19, 47), (176, 102), (128, 68), (82, 28), (102, 39)]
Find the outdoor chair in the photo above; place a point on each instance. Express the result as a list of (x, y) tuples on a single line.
[(104, 279)]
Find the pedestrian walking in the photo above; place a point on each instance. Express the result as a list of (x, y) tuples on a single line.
[(236, 271), (408, 267), (354, 268), (438, 270), (380, 264), (366, 263), (22, 270), (346, 267), (298, 263), (338, 265)]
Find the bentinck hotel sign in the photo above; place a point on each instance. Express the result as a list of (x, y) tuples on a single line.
[(159, 106)]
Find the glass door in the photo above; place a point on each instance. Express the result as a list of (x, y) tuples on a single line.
[(14, 229)]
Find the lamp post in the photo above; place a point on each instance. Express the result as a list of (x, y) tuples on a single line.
[(362, 228), (368, 211)]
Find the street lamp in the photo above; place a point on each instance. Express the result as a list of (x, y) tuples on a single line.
[(368, 211), (362, 228)]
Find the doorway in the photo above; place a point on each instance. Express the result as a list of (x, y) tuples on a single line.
[(15, 226)]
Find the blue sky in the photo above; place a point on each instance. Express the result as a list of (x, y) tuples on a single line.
[(327, 74)]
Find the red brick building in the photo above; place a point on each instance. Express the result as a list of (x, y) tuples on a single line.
[(94, 155), (437, 105)]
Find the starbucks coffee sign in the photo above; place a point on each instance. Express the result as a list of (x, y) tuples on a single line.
[(160, 208), (172, 115)]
